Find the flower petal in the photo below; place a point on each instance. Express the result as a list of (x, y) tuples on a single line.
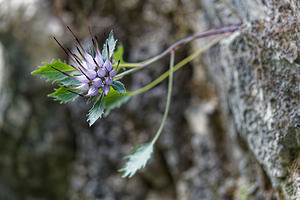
[(107, 65), (89, 61), (93, 91), (91, 66), (88, 57), (81, 66), (99, 59), (82, 79), (101, 72), (106, 90), (83, 86), (108, 81), (97, 82), (91, 73), (112, 73)]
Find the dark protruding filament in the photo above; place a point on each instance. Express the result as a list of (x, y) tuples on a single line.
[(96, 39), (93, 41), (96, 63), (118, 64), (79, 63), (97, 42), (107, 49), (76, 38), (90, 31), (80, 52), (64, 73), (69, 89), (61, 46), (74, 55), (74, 67), (84, 74)]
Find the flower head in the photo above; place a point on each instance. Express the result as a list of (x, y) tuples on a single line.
[(94, 74)]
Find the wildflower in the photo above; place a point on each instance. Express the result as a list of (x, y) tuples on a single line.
[(95, 75)]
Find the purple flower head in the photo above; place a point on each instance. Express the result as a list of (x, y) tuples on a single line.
[(93, 91), (93, 74), (112, 73), (83, 86), (98, 58), (107, 65), (106, 89), (108, 81), (97, 82), (101, 72)]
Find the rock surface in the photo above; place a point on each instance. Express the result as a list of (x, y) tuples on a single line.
[(257, 72)]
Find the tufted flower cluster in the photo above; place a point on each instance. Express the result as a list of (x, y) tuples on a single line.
[(96, 72)]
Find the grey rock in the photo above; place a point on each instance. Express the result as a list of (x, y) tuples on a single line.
[(257, 75)]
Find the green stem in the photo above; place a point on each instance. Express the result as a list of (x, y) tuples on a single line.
[(213, 31), (168, 99), (133, 65), (129, 65), (177, 67)]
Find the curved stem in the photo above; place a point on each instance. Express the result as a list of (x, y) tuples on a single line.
[(213, 31), (177, 66), (170, 84), (130, 65)]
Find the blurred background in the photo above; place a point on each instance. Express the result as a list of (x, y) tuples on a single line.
[(47, 149)]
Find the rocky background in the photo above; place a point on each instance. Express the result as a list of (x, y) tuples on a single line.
[(233, 131)]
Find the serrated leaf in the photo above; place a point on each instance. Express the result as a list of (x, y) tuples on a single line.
[(114, 100), (96, 111), (63, 95), (118, 86), (118, 55), (51, 74), (137, 159), (69, 81), (91, 99), (111, 43)]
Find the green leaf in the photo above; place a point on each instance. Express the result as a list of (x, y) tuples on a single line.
[(69, 81), (137, 159), (118, 55), (96, 111), (111, 43), (118, 86), (91, 99), (51, 74), (114, 100), (64, 95)]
